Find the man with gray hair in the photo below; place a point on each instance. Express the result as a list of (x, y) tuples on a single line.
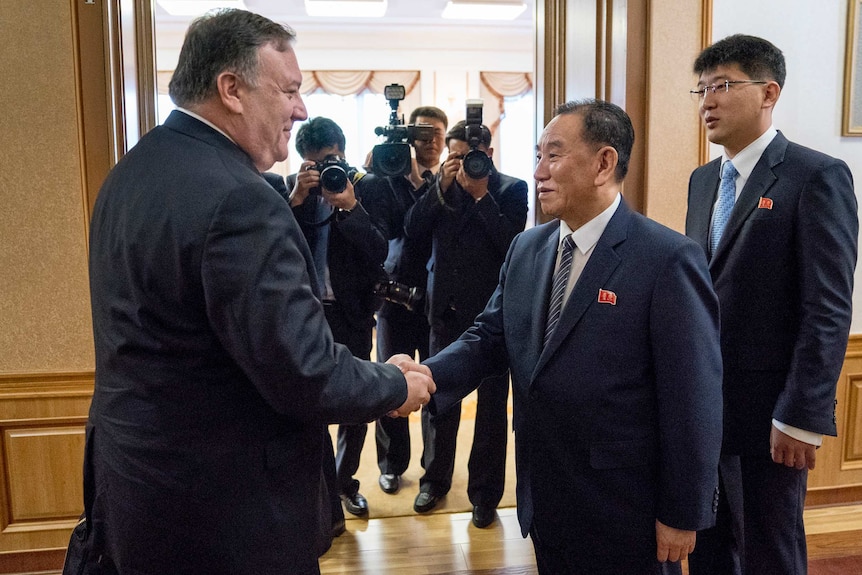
[(216, 372)]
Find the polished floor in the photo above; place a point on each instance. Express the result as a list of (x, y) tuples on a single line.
[(448, 544)]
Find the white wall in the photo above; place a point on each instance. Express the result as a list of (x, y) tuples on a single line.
[(812, 36)]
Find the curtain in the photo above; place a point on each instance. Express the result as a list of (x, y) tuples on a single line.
[(498, 86)]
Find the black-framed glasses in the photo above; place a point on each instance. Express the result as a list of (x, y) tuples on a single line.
[(700, 92)]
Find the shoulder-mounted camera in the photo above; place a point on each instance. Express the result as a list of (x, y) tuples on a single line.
[(392, 158)]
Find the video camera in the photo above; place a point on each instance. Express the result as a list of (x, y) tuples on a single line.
[(392, 158), (334, 173), (476, 163)]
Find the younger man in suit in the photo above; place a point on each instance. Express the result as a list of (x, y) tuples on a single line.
[(617, 386), (778, 223), (471, 220), (401, 330)]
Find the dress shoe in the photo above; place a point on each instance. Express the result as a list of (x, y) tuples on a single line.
[(425, 502), (483, 516), (389, 482), (338, 527), (355, 504)]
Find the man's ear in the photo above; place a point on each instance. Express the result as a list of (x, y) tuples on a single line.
[(229, 86), (490, 152), (773, 91), (606, 159)]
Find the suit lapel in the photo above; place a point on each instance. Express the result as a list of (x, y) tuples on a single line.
[(601, 265), (762, 178), (546, 260), (704, 187)]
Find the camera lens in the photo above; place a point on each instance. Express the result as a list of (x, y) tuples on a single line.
[(476, 164), (391, 159), (333, 178)]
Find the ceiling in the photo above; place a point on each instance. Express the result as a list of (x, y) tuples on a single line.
[(425, 13)]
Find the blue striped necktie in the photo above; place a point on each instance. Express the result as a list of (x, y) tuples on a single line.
[(561, 278), (726, 199)]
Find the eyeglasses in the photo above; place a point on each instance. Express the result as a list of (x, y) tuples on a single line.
[(700, 93)]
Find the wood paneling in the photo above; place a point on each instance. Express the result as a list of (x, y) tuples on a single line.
[(38, 460), (837, 478), (853, 430), (42, 420)]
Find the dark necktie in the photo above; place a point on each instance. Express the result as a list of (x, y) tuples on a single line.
[(726, 199), (428, 176), (558, 291)]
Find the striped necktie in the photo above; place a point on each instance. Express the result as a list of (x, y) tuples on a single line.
[(558, 291), (726, 199)]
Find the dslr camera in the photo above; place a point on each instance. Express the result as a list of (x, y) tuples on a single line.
[(392, 158), (401, 294), (334, 174), (476, 163)]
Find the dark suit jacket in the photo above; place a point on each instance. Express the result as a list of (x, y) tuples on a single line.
[(387, 200), (783, 272), (618, 419), (216, 373), (352, 246), (469, 242)]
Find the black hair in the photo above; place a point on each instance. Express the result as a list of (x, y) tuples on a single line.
[(318, 133), (604, 124), (756, 57), (429, 112), (459, 132), (223, 40)]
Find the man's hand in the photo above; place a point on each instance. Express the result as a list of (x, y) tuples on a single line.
[(415, 175), (343, 200), (673, 544), (789, 451), (306, 180), (420, 386), (476, 188), (449, 170)]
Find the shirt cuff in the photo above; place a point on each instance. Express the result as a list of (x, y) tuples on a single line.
[(809, 437)]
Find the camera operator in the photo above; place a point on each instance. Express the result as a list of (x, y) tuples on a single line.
[(348, 253), (471, 218), (399, 329)]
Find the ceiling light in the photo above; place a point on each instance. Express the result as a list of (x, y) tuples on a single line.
[(198, 7), (345, 8), (483, 10)]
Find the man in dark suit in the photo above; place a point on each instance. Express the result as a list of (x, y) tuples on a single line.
[(402, 329), (780, 233), (617, 397), (216, 372), (348, 252), (471, 221)]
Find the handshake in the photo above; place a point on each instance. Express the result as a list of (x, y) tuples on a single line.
[(420, 385)]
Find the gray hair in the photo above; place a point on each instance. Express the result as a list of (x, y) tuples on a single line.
[(223, 40)]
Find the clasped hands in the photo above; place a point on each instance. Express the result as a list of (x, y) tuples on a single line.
[(420, 384)]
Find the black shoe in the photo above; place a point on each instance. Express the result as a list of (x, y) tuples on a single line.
[(338, 527), (483, 516), (389, 482), (355, 504), (425, 502)]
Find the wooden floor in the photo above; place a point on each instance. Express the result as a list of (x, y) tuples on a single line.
[(448, 544), (422, 545)]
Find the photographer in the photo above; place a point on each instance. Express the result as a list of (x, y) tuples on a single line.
[(348, 252), (399, 329), (471, 213)]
